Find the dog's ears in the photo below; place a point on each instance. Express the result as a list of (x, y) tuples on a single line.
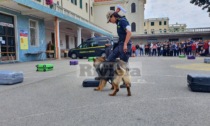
[(94, 59)]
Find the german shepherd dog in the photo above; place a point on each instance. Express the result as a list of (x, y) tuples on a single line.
[(115, 71)]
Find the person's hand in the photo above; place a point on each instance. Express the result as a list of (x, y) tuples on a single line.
[(125, 48), (107, 45)]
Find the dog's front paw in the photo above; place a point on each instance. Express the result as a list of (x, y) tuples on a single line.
[(112, 88), (112, 94), (96, 89), (129, 95)]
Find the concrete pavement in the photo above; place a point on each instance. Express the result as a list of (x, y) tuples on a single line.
[(160, 97)]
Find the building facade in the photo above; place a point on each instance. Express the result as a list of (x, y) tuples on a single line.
[(177, 27), (156, 25), (28, 26), (134, 14)]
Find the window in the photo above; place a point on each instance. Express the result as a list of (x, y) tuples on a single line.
[(144, 24), (112, 8), (133, 8), (165, 31), (81, 4), (103, 41), (34, 32), (160, 30), (160, 22), (176, 29), (133, 27), (152, 23), (74, 2), (152, 31), (86, 5), (145, 31), (165, 23), (91, 10), (182, 29), (6, 18), (84, 45), (94, 44)]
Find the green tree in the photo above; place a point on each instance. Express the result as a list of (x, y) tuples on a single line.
[(205, 4)]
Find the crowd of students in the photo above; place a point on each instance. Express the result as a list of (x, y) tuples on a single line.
[(188, 47)]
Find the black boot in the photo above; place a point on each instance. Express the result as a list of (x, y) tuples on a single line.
[(97, 78)]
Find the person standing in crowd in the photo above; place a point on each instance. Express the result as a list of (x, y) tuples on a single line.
[(150, 49), (154, 48), (168, 48), (50, 47), (158, 48), (146, 49), (141, 49), (189, 47), (172, 48), (176, 52), (206, 47), (183, 48), (137, 52), (164, 49), (209, 46), (179, 50), (161, 49), (194, 49), (133, 50), (200, 45), (196, 42)]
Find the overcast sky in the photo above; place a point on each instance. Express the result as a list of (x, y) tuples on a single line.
[(181, 11)]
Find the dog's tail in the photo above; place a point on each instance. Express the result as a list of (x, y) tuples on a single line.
[(120, 71)]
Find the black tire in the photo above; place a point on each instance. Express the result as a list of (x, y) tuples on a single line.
[(74, 56)]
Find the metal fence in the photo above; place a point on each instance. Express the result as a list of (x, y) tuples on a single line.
[(187, 30)]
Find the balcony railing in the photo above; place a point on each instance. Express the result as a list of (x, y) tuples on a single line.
[(67, 12), (187, 30)]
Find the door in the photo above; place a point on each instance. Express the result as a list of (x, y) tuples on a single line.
[(67, 42), (7, 38), (75, 42), (72, 43), (53, 38), (83, 50)]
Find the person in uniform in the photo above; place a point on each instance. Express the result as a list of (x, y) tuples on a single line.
[(122, 49)]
